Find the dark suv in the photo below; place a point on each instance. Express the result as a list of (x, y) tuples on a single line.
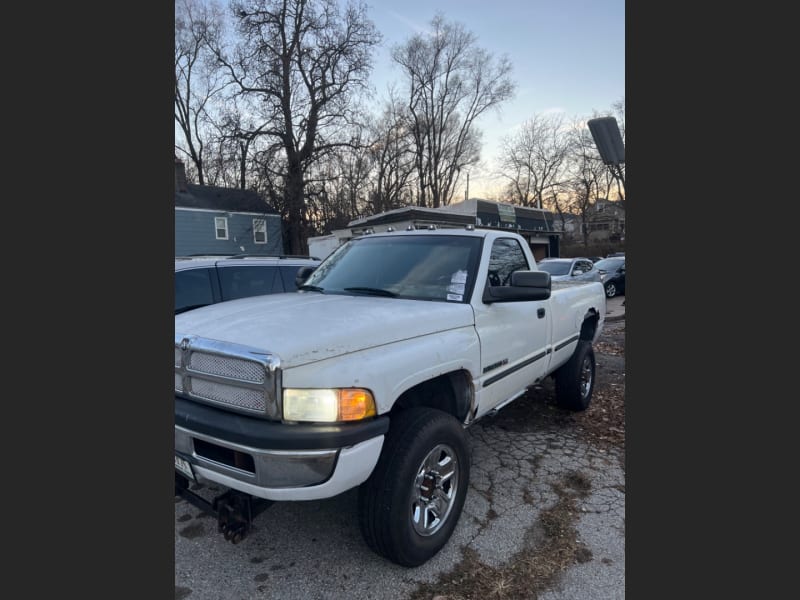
[(612, 273), (203, 280)]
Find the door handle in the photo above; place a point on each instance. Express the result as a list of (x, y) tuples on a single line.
[(540, 313)]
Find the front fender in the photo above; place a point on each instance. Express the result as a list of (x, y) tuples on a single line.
[(391, 369)]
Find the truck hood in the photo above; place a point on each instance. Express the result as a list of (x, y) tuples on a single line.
[(306, 327)]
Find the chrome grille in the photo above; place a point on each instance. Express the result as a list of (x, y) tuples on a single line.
[(228, 394), (227, 367), (236, 377)]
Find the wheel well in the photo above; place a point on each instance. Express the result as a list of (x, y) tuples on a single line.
[(450, 392), (589, 326)]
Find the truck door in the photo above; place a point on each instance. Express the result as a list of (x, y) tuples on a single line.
[(513, 335)]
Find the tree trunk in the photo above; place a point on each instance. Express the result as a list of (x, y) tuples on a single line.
[(294, 201)]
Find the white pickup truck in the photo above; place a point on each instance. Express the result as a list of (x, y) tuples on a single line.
[(368, 376)]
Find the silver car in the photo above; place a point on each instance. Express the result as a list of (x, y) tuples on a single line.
[(570, 269)]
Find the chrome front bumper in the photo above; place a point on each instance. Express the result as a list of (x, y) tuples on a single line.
[(264, 468), (282, 474)]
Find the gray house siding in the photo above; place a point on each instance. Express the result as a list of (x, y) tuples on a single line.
[(195, 233)]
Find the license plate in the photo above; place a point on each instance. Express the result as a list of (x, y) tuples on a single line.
[(184, 467)]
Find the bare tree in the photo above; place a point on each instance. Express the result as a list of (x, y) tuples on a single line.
[(589, 176), (342, 184), (197, 80), (302, 61), (560, 200), (534, 159), (392, 154), (237, 131), (450, 82)]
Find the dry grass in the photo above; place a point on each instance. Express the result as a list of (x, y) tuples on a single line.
[(603, 423), (530, 571)]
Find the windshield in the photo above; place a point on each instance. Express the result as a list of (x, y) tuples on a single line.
[(417, 267), (555, 267), (609, 264)]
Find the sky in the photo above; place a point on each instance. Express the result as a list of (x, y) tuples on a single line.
[(568, 56)]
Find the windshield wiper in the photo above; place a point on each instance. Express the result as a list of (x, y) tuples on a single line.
[(311, 288), (371, 291)]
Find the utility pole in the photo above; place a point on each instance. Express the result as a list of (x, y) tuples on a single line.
[(466, 191)]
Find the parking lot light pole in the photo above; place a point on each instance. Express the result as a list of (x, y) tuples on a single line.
[(608, 140)]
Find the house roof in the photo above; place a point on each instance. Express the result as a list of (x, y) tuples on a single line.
[(473, 206), (223, 199), (411, 213), (468, 212)]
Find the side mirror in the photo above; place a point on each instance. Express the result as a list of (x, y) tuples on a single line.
[(525, 286), (536, 279), (577, 272), (303, 273)]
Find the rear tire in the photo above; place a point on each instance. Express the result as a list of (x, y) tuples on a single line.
[(575, 379), (410, 505)]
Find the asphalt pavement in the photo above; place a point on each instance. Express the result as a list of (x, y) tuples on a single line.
[(615, 308), (313, 550)]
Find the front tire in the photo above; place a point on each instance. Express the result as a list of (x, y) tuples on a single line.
[(411, 503), (575, 379), (611, 290)]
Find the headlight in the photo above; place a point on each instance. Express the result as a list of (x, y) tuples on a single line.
[(327, 405)]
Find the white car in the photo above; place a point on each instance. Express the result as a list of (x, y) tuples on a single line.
[(570, 269)]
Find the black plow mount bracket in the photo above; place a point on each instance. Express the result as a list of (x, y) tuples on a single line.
[(233, 509)]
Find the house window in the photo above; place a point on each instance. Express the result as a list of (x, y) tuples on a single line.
[(260, 231), (221, 225)]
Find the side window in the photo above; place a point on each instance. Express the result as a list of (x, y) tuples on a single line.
[(243, 282), (192, 289), (507, 256), (584, 266), (288, 274)]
